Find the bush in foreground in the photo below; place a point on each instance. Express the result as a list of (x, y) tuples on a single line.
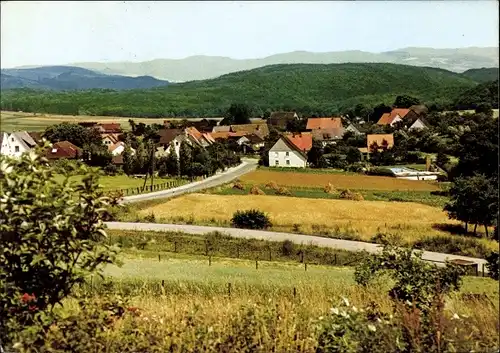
[(493, 264), (251, 219), (51, 238)]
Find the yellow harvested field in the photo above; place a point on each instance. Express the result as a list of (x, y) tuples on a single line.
[(363, 218), (339, 181)]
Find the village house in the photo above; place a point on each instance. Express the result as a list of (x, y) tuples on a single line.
[(109, 139), (63, 149), (353, 129), (251, 142), (380, 140), (291, 150), (323, 123), (259, 129), (189, 135), (329, 135), (16, 143), (280, 120), (395, 116)]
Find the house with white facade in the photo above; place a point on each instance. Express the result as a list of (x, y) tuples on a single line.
[(16, 143), (395, 116), (291, 151)]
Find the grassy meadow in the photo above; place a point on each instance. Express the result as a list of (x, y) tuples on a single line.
[(115, 182), (184, 300)]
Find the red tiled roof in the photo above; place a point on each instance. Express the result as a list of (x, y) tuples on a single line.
[(388, 118), (303, 141), (62, 149), (227, 134), (193, 132), (323, 123), (111, 127)]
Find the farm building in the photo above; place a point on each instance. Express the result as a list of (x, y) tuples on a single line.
[(291, 150), (396, 115)]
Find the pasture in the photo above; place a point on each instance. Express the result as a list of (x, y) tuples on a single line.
[(114, 182), (183, 298), (339, 180)]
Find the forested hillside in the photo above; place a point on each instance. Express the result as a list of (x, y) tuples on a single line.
[(307, 88), (483, 74), (484, 93)]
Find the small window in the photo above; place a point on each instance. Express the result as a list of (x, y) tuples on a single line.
[(287, 154), (16, 148), (276, 154), (276, 162), (12, 139), (287, 162)]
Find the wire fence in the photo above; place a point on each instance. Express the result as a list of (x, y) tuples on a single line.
[(148, 188)]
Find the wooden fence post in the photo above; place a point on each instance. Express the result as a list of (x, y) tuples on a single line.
[(335, 256), (175, 246), (210, 260), (159, 257), (206, 248), (294, 292), (163, 283), (237, 252), (270, 258), (256, 264), (483, 270), (229, 288), (305, 266)]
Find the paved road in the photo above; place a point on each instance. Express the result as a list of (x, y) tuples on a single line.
[(350, 245), (246, 166)]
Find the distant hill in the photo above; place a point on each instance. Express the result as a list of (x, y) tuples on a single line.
[(482, 75), (486, 92), (72, 78), (307, 88), (205, 67)]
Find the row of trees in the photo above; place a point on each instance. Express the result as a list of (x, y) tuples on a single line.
[(192, 160)]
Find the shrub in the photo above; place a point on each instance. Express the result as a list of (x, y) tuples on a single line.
[(283, 191), (287, 248), (380, 171), (350, 195), (416, 282), (459, 245), (251, 219), (256, 191), (51, 239), (272, 185), (355, 167), (493, 264), (239, 186), (347, 329), (110, 169)]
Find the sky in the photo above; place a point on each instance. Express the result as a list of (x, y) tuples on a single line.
[(64, 32)]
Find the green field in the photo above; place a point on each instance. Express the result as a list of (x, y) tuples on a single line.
[(115, 182), (423, 197)]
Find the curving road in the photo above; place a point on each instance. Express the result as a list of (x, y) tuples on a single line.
[(438, 258), (246, 166)]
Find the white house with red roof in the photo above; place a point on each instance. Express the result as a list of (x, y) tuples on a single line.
[(291, 150)]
